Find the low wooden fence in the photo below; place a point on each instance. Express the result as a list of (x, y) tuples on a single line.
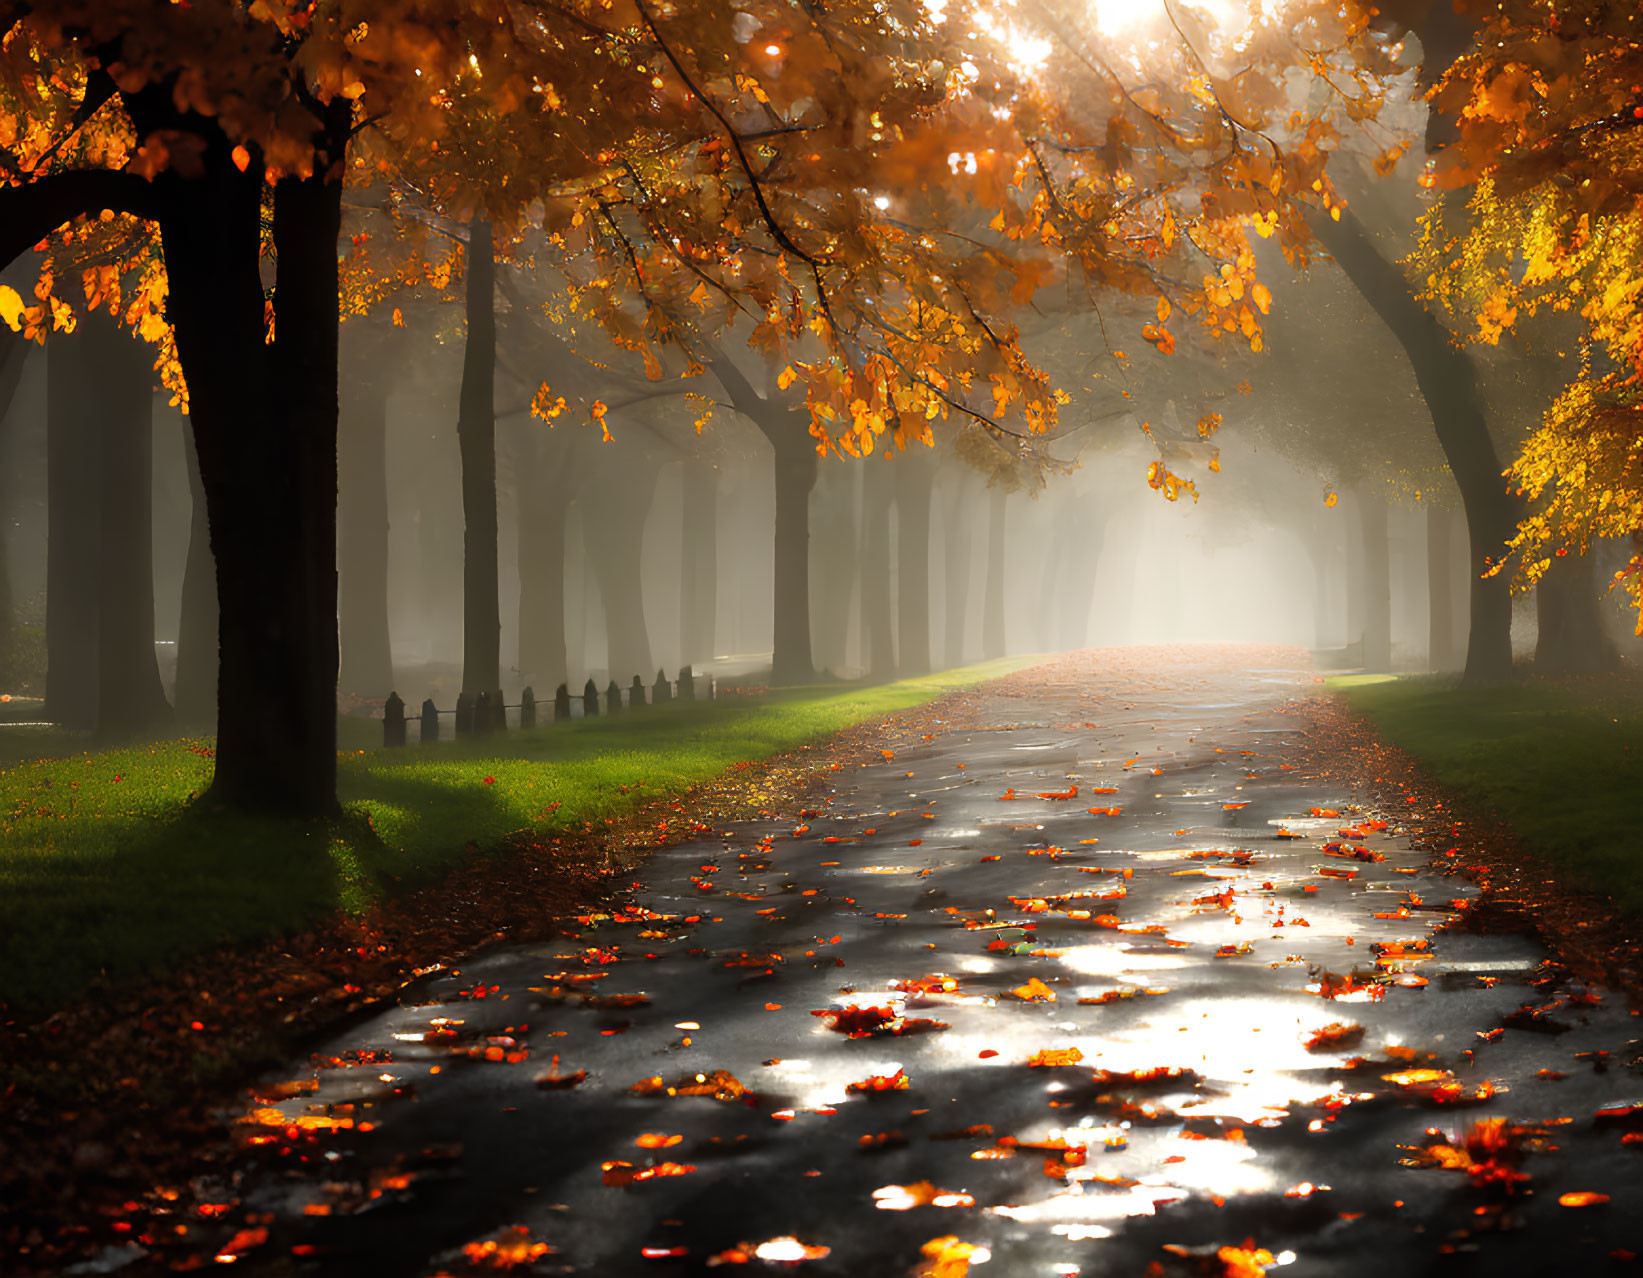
[(488, 712)]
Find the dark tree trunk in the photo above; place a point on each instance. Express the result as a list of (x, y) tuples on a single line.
[(992, 600), (791, 662), (914, 471), (1573, 639), (195, 693), (73, 536), (878, 637), (265, 428), (1440, 589), (14, 350), (1448, 381), (362, 538), (476, 436), (616, 548), (699, 560), (130, 696), (957, 539), (1377, 584)]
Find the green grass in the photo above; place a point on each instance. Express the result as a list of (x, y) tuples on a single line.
[(1562, 764), (105, 866)]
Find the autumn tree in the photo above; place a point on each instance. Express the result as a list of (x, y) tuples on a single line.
[(1545, 119)]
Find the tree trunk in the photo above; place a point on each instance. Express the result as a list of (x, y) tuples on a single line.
[(1573, 639), (616, 545), (73, 537), (878, 637), (957, 539), (130, 696), (835, 564), (195, 692), (14, 352), (914, 472), (699, 561), (1448, 381), (544, 506), (992, 602), (476, 437), (1377, 581), (362, 539), (1440, 590), (265, 428), (1076, 588), (795, 459)]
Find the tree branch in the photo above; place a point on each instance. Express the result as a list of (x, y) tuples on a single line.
[(33, 211)]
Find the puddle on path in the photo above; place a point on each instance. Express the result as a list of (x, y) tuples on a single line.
[(1143, 991)]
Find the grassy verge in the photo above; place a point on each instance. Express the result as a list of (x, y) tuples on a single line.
[(105, 866), (1561, 764)]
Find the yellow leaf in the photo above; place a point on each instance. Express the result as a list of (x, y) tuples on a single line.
[(1330, 499), (399, 319), (786, 378), (241, 158), (11, 307), (1262, 297), (1163, 309)]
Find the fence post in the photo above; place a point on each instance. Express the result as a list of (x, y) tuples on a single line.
[(660, 693), (481, 714), (464, 714), (499, 712), (687, 684), (590, 700), (527, 708), (393, 721), (636, 694), (561, 703), (712, 688), (430, 721), (613, 697)]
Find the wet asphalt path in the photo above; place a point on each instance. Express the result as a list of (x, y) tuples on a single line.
[(1121, 878)]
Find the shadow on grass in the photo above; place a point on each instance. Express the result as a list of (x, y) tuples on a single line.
[(1562, 764)]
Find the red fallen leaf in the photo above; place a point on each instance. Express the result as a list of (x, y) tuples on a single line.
[(1337, 1034), (514, 1247), (1334, 872), (1051, 1057), (870, 1022), (554, 1081), (875, 1141), (657, 1140), (897, 1082), (243, 1241), (1059, 794), (490, 780), (620, 1173), (1234, 951), (719, 1084), (1582, 1198), (1103, 789), (1034, 991), (1325, 812), (888, 754), (668, 1253), (1105, 811), (1008, 794)]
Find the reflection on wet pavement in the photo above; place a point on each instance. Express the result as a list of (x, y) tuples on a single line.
[(1104, 985)]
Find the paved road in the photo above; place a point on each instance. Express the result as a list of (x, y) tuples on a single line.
[(1088, 948)]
